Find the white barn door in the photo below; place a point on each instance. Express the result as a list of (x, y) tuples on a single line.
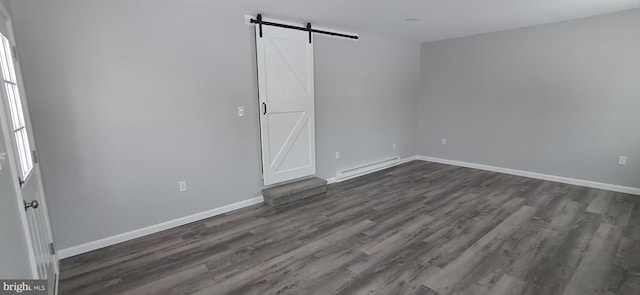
[(285, 86)]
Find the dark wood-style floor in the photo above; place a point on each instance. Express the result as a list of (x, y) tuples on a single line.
[(419, 228)]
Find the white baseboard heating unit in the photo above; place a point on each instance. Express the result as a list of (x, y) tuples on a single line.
[(366, 169)]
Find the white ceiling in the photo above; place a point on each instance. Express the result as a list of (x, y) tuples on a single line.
[(438, 19)]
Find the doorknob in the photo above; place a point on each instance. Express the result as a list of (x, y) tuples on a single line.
[(34, 204)]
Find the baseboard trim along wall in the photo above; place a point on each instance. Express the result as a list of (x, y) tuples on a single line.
[(94, 245), (119, 238), (567, 180)]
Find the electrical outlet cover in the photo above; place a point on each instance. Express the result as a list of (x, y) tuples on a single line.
[(622, 160)]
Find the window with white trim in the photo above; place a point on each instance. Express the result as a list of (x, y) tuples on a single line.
[(18, 125)]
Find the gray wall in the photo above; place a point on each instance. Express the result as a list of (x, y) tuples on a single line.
[(365, 93), (561, 99), (130, 97)]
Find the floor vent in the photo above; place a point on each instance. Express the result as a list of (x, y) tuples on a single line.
[(365, 169)]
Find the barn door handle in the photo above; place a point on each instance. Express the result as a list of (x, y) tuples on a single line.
[(33, 204), (264, 105)]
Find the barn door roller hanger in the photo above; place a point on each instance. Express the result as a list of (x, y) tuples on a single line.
[(260, 22)]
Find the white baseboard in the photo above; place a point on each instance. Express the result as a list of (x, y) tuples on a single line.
[(567, 180), (75, 250), (79, 249), (408, 159), (119, 238)]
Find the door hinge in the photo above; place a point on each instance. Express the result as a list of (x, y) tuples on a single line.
[(14, 53), (20, 181), (34, 156), (52, 249)]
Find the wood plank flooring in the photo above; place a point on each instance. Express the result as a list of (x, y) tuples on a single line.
[(419, 228)]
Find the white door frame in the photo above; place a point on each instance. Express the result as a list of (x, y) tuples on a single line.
[(10, 152), (6, 27)]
